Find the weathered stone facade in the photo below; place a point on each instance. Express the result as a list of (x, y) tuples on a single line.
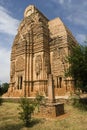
[(39, 49)]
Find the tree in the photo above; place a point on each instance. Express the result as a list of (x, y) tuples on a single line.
[(27, 108), (4, 88), (78, 66)]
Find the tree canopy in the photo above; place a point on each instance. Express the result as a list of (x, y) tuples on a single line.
[(78, 66), (4, 88)]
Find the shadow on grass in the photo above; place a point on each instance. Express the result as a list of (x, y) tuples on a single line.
[(34, 122), (20, 125), (11, 127)]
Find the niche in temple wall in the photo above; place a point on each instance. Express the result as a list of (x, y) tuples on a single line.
[(38, 64), (47, 63), (57, 64), (20, 64), (12, 73), (12, 68)]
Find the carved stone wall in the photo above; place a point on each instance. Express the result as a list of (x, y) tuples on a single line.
[(20, 64), (57, 65), (38, 64), (47, 63), (12, 68)]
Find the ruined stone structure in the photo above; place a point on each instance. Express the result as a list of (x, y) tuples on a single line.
[(39, 49)]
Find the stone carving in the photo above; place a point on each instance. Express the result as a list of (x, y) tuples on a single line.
[(56, 56), (36, 18), (56, 53), (63, 55), (12, 68), (29, 10), (38, 64), (20, 64), (57, 63), (47, 63)]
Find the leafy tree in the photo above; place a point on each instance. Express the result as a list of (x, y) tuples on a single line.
[(27, 108), (78, 66), (4, 88)]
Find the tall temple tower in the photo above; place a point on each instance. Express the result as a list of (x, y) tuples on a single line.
[(39, 49), (30, 57)]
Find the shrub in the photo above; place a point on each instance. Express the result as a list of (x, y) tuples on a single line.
[(27, 108), (79, 103), (40, 99)]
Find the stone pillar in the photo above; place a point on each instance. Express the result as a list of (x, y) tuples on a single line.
[(51, 96)]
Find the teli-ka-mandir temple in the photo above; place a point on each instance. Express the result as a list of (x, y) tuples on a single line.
[(39, 49)]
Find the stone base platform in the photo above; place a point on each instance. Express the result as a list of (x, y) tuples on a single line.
[(51, 110)]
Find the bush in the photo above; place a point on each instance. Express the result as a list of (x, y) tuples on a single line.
[(79, 103), (40, 99), (27, 108)]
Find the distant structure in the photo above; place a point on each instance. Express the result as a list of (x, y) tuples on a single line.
[(39, 49)]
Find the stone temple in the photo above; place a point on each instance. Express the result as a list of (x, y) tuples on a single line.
[(39, 49)]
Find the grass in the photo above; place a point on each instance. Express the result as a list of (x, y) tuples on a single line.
[(73, 119)]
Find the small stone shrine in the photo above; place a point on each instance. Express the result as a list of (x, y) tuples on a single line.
[(39, 49)]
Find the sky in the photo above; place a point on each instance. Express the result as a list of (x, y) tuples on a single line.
[(72, 12)]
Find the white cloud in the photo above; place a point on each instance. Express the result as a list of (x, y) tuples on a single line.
[(8, 29), (81, 38), (8, 24), (76, 12), (79, 18), (62, 2), (4, 65)]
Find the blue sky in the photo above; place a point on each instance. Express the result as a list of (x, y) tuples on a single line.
[(72, 12)]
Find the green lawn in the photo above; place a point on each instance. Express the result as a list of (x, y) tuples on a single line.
[(73, 119)]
